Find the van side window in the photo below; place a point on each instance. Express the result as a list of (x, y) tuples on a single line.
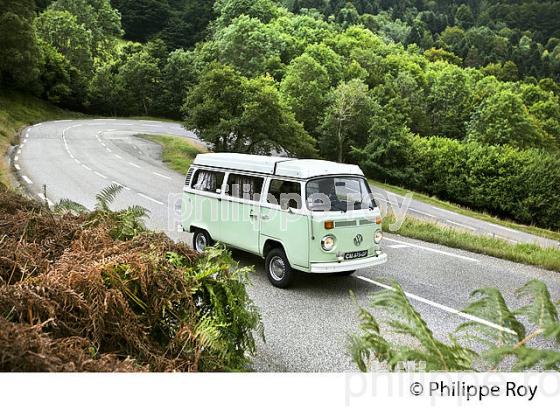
[(244, 186), (208, 181), (287, 194)]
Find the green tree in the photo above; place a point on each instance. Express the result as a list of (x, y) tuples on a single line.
[(57, 75), (464, 17), (187, 23), (449, 99), (236, 114), (143, 19), (19, 53), (178, 75), (248, 45), (228, 10), (502, 119), (105, 93), (347, 120), (98, 17), (61, 30), (139, 79), (306, 89)]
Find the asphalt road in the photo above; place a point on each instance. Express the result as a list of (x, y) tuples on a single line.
[(306, 326)]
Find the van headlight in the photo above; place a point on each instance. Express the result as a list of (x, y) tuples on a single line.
[(327, 243), (378, 236)]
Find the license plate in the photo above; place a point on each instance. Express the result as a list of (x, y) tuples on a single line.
[(355, 255)]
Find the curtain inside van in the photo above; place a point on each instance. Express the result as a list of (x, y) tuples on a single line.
[(206, 181)]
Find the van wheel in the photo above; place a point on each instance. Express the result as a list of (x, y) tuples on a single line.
[(201, 241), (278, 269), (345, 273)]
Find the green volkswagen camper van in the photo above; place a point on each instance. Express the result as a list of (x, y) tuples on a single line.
[(298, 214)]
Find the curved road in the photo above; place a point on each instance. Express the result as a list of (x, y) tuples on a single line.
[(306, 326)]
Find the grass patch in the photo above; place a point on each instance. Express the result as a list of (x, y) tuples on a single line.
[(529, 254), (432, 200), (178, 153), (18, 110)]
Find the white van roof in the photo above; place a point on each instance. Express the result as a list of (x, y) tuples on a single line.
[(281, 166)]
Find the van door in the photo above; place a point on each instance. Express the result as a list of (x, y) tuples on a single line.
[(202, 204), (240, 212), (283, 219)]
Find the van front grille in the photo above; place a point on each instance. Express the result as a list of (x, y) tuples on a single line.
[(340, 224), (366, 222)]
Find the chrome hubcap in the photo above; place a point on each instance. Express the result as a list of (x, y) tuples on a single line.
[(277, 268), (200, 242)]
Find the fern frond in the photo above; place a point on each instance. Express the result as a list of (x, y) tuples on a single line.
[(405, 320), (68, 206), (492, 307), (107, 196), (541, 312), (137, 211)]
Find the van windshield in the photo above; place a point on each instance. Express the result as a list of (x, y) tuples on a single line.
[(338, 194)]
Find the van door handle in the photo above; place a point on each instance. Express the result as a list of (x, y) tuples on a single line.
[(265, 217)]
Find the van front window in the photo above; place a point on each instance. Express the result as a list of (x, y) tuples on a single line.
[(338, 194)]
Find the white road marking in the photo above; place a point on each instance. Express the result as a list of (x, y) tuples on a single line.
[(26, 179), (445, 210), (27, 135), (422, 213), (118, 156), (440, 306), (161, 175), (134, 165), (18, 152), (461, 225), (17, 167), (398, 246), (86, 167), (494, 235), (22, 145), (108, 150), (16, 158), (150, 198), (119, 184), (71, 156), (99, 174), (432, 250), (502, 227), (77, 161)]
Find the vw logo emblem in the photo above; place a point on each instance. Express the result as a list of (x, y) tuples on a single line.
[(358, 239)]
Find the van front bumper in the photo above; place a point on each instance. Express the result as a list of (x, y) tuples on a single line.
[(332, 267)]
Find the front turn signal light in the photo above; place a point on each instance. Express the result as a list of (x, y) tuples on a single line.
[(378, 220), (329, 224)]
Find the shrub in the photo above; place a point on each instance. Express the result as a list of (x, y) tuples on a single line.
[(98, 292), (519, 184), (507, 344)]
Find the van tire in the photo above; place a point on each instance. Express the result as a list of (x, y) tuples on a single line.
[(201, 240), (278, 268)]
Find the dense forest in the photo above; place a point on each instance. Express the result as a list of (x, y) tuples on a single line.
[(455, 98)]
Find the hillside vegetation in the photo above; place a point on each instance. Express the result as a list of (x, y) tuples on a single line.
[(96, 291), (471, 85)]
